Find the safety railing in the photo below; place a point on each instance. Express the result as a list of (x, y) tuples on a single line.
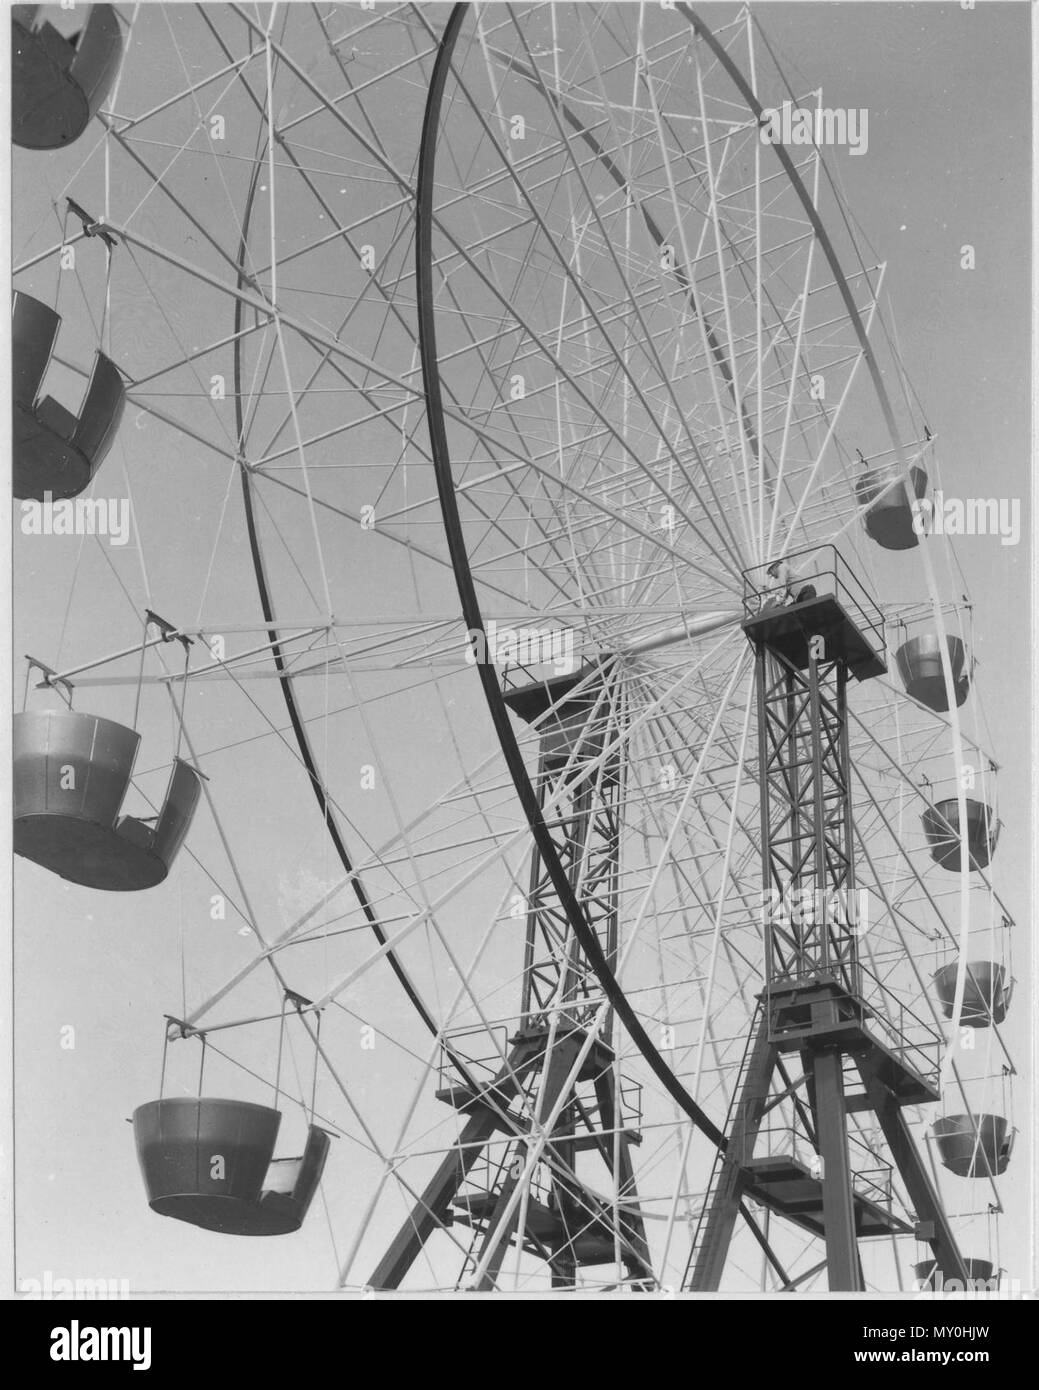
[(480, 1050), (822, 569), (903, 1031)]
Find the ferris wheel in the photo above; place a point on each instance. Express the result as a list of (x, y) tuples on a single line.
[(548, 734)]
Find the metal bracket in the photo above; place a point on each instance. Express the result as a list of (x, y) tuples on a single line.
[(186, 1030), (91, 226), (169, 631), (51, 679)]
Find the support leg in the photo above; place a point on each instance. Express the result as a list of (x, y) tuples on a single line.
[(842, 1254), (498, 1233), (921, 1191), (432, 1207), (631, 1223)]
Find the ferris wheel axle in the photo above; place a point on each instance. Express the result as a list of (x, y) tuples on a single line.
[(702, 626)]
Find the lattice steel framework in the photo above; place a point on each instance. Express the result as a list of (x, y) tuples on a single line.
[(806, 818), (812, 1006), (580, 790), (582, 812)]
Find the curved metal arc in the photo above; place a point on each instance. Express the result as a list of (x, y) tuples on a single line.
[(884, 401), (295, 718), (470, 603)]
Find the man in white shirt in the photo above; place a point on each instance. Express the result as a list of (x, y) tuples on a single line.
[(788, 586)]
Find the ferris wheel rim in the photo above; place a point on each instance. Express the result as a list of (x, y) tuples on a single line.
[(443, 470), (471, 609), (303, 743)]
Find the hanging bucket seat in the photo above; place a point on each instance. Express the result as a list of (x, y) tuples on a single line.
[(978, 1272), (211, 1163), (58, 83), (977, 1148), (71, 773), (941, 823), (889, 519), (986, 995), (920, 666), (55, 451)]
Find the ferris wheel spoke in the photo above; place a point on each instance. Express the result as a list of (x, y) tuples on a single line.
[(627, 182), (159, 181), (684, 889), (357, 90), (561, 368), (600, 157), (719, 362), (488, 374)]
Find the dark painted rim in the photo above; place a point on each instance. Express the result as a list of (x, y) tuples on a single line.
[(471, 611)]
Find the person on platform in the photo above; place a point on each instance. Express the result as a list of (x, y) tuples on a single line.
[(788, 585)]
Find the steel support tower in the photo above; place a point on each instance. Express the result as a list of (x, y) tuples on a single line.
[(473, 1188), (812, 1011)]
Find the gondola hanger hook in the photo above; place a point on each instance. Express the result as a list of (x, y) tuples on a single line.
[(91, 226)]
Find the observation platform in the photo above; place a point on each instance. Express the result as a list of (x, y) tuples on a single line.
[(810, 1014), (787, 1187), (586, 1241), (528, 1053), (570, 727), (814, 594)]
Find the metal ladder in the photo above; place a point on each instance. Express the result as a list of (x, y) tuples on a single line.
[(719, 1155)]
